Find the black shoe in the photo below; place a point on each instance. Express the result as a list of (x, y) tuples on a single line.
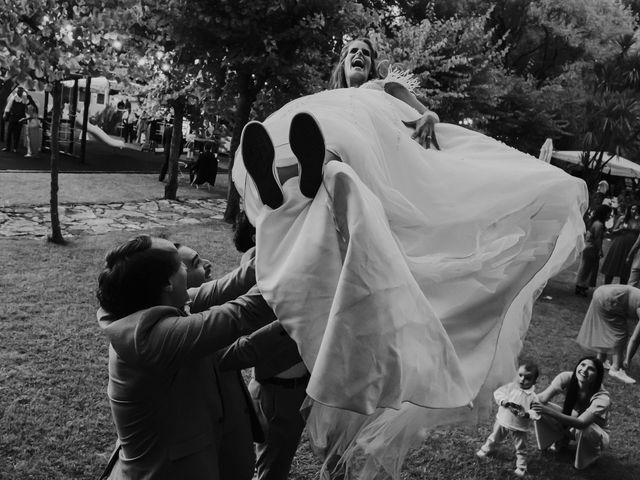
[(258, 155), (581, 291), (307, 144)]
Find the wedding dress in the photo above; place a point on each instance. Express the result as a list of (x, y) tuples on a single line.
[(408, 281)]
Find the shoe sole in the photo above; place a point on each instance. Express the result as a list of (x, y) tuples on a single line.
[(258, 155), (307, 144)]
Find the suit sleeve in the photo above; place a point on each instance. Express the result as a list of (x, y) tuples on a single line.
[(224, 289), (270, 345), (175, 340)]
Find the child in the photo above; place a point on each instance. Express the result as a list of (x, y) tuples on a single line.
[(514, 415)]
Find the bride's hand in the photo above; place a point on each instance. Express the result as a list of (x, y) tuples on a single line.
[(424, 129)]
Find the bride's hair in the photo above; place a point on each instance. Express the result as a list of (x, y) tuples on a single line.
[(338, 80)]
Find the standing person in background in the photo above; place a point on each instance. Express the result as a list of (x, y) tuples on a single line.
[(590, 259), (14, 113), (141, 128), (127, 126), (604, 328), (32, 122), (205, 168), (625, 231), (167, 133)]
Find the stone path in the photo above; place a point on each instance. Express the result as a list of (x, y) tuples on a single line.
[(96, 218)]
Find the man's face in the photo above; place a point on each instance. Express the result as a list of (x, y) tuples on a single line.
[(198, 269), (177, 295)]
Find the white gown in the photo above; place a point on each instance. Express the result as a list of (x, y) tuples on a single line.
[(408, 281)]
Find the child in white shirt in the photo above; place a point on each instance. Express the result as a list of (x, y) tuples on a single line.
[(514, 415)]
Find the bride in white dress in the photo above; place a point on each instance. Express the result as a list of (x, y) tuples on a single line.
[(405, 274)]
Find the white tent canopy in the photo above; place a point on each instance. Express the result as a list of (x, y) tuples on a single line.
[(617, 166)]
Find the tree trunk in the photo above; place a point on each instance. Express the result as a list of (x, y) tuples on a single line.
[(56, 233), (171, 189), (248, 95)]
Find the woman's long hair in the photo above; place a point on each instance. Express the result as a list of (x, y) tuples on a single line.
[(573, 388), (338, 80), (600, 213)]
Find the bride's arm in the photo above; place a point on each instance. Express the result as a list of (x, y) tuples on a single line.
[(424, 126)]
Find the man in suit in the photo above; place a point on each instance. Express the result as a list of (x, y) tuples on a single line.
[(164, 385), (278, 388)]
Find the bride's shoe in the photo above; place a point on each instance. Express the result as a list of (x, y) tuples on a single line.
[(258, 155), (307, 144)]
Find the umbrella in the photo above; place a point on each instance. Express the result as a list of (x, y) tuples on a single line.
[(546, 151)]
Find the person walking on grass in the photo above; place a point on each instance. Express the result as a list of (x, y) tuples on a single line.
[(514, 415)]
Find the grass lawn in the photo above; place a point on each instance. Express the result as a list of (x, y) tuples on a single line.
[(55, 419)]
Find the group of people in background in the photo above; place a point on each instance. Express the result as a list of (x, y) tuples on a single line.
[(21, 115), (605, 328)]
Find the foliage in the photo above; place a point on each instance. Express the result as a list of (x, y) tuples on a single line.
[(457, 64), (546, 36), (45, 41), (612, 108)]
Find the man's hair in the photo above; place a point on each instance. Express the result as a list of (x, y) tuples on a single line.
[(532, 367), (134, 275)]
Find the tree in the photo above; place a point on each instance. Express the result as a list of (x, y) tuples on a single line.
[(612, 110), (260, 54), (45, 41)]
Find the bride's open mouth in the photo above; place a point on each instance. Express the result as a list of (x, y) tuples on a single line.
[(357, 63)]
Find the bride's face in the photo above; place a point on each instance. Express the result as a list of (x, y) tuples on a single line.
[(357, 63)]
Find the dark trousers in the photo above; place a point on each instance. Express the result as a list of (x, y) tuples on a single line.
[(278, 408), (14, 129)]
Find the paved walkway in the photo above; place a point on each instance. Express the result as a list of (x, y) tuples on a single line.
[(99, 203)]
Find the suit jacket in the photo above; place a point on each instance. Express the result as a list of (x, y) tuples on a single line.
[(164, 385)]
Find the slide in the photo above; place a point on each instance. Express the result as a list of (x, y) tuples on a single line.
[(100, 134)]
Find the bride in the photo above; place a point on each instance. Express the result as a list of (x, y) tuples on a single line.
[(406, 274)]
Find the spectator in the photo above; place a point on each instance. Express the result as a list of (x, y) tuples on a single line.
[(590, 259), (14, 114), (206, 167), (583, 416), (604, 328)]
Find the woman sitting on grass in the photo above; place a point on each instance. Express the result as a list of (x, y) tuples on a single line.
[(583, 416)]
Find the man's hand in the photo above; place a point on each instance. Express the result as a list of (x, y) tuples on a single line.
[(424, 129)]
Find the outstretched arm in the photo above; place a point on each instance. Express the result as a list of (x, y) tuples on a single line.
[(424, 127), (581, 422)]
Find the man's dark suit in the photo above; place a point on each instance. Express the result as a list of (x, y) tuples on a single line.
[(164, 383)]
